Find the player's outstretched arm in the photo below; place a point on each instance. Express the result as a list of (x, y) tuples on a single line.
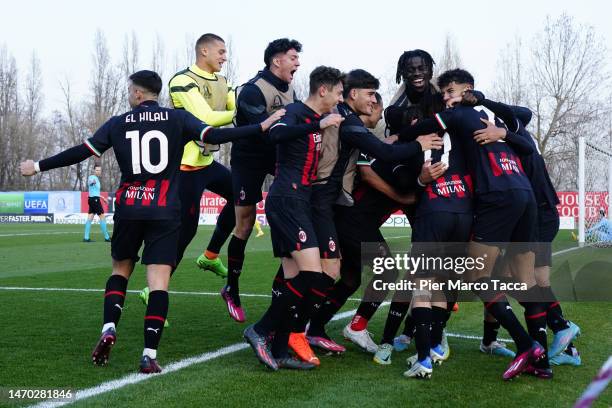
[(68, 157), (422, 127), (370, 177), (366, 142), (289, 128), (199, 132), (520, 143), (492, 133), (281, 132), (501, 110), (251, 104)]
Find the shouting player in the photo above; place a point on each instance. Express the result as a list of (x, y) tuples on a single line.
[(252, 159)]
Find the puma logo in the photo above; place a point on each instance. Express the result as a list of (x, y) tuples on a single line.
[(152, 329), (118, 306)]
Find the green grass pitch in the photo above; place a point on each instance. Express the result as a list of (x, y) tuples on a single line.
[(47, 337)]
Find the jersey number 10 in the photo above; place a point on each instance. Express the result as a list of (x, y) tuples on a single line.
[(143, 148)]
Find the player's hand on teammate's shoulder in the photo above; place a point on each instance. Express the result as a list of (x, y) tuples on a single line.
[(430, 141), (27, 168), (430, 172), (452, 102), (272, 119), (333, 119), (490, 134), (472, 98), (469, 99)]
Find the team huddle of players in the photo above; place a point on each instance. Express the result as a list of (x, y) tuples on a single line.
[(462, 168)]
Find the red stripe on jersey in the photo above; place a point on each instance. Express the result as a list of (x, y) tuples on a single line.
[(130, 200), (468, 181), (445, 192), (430, 192), (497, 171), (358, 193), (504, 158), (313, 173), (309, 160), (148, 193), (458, 184), (119, 193), (519, 163), (163, 191)]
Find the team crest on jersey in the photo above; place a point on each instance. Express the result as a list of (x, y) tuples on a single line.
[(242, 194), (332, 245), (302, 236)]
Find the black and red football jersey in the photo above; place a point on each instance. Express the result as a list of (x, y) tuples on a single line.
[(148, 142)]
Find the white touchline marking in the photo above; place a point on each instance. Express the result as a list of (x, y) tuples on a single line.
[(184, 363), (178, 365), (565, 250), (472, 337), (170, 368), (25, 234), (137, 377), (172, 292)]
